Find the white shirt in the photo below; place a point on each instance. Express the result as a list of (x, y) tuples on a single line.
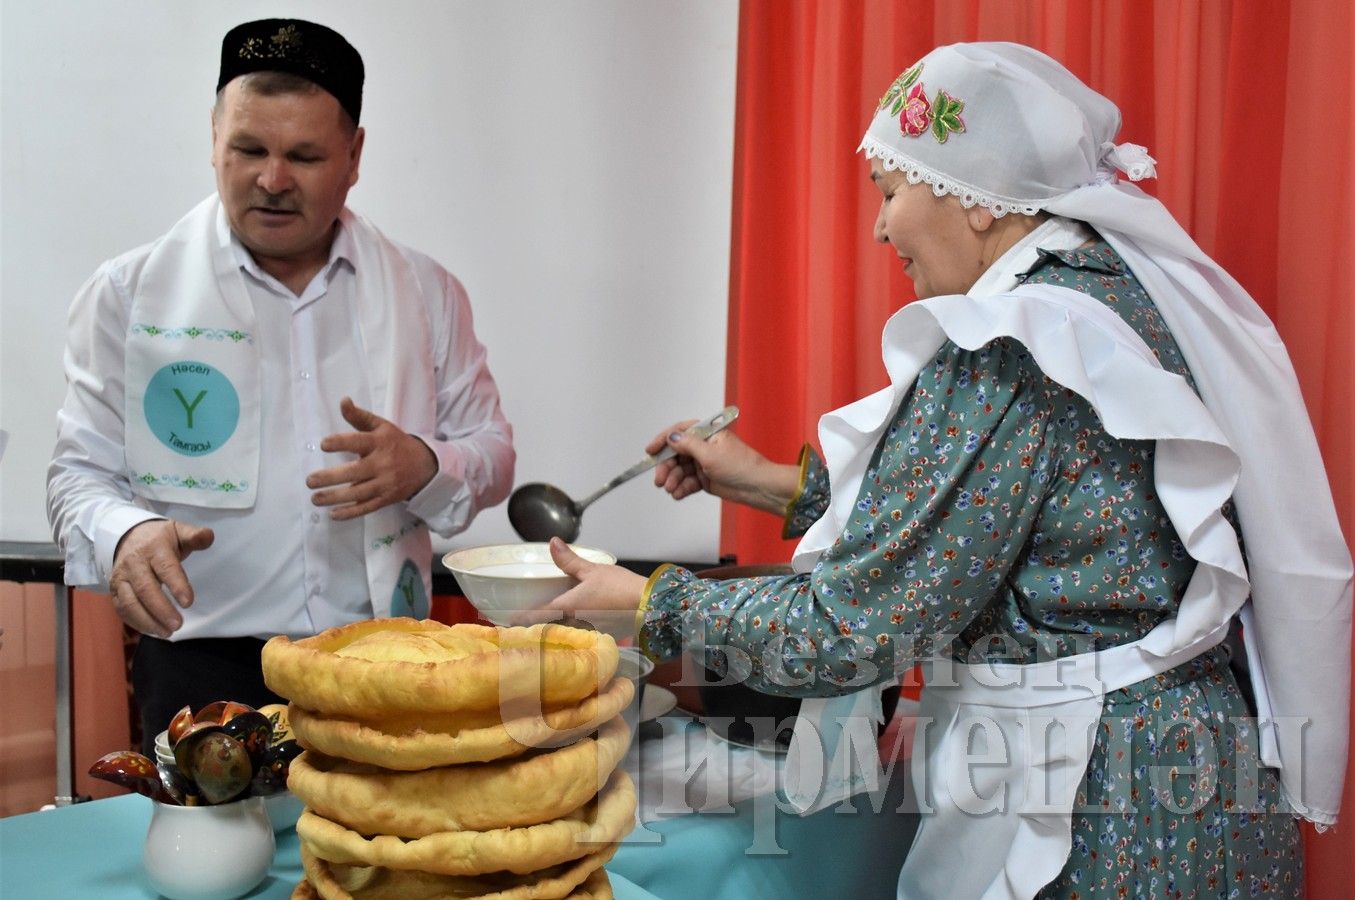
[(283, 566)]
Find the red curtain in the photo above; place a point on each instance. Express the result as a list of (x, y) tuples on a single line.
[(1246, 105)]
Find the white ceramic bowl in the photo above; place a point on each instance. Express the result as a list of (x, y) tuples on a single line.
[(162, 752), (637, 667), (504, 579), (634, 665)]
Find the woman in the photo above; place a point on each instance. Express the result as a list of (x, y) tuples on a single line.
[(1042, 497)]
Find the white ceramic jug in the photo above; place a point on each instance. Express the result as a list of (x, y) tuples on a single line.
[(208, 852)]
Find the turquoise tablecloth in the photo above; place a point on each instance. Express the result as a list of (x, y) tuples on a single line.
[(748, 852), (92, 851)]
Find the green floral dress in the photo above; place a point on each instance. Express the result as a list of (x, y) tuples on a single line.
[(996, 508)]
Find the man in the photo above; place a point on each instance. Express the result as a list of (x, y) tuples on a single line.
[(273, 387)]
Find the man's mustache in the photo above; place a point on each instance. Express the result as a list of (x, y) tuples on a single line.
[(273, 203)]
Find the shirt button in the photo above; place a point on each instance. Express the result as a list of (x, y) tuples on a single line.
[(315, 517), (305, 376), (310, 446)]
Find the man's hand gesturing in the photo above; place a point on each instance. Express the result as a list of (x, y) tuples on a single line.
[(391, 466), (149, 556)]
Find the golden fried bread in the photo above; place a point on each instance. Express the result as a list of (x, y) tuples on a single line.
[(409, 742), (524, 790), (596, 886), (384, 667), (341, 882), (417, 647), (517, 850)]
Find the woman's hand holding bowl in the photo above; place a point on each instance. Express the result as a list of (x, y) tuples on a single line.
[(606, 596)]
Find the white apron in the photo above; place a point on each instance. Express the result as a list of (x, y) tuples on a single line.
[(998, 757), (1033, 722), (192, 373)]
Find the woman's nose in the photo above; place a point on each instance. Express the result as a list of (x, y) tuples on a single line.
[(880, 236)]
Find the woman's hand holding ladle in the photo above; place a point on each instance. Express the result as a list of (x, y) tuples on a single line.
[(540, 511), (725, 467)]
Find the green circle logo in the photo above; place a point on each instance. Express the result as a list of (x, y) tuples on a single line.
[(191, 407)]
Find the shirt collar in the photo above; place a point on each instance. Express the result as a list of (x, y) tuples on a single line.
[(1057, 233), (1100, 257), (341, 250)]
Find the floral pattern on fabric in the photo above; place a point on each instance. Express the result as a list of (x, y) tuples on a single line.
[(894, 97), (946, 116), (1174, 804), (995, 507), (917, 113), (907, 99)]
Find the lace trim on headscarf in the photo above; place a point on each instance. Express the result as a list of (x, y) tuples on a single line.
[(941, 185)]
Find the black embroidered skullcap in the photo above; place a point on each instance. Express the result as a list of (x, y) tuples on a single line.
[(311, 51)]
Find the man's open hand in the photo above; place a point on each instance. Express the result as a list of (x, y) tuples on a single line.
[(391, 466)]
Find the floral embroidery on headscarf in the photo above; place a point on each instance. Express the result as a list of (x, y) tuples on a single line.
[(895, 94), (946, 116), (917, 114)]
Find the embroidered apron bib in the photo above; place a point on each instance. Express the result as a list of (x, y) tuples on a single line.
[(192, 367)]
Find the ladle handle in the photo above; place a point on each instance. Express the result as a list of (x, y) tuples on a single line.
[(704, 429)]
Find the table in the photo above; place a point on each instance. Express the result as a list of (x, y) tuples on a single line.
[(738, 846), (93, 851), (24, 561)]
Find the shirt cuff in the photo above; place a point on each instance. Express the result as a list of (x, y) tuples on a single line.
[(109, 530), (644, 606), (435, 503), (788, 516)]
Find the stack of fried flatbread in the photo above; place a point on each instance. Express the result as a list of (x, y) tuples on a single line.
[(456, 761)]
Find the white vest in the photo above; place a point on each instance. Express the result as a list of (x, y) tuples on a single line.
[(193, 379)]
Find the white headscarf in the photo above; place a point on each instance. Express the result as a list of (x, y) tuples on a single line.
[(1007, 128)]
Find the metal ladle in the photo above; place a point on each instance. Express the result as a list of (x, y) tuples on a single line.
[(539, 511)]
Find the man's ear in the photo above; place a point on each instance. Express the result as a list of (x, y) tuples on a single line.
[(213, 156), (355, 155), (979, 218)]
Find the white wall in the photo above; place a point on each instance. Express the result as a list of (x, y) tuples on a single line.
[(569, 161)]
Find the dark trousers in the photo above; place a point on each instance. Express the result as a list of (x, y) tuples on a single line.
[(169, 675)]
